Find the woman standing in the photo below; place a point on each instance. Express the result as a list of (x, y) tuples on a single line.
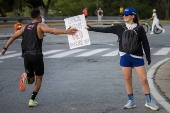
[(99, 14), (134, 60)]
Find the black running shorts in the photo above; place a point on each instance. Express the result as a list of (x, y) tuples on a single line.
[(34, 65)]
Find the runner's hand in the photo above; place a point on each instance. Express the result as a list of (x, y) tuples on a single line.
[(3, 51), (71, 31)]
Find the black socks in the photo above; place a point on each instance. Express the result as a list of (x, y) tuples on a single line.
[(34, 94)]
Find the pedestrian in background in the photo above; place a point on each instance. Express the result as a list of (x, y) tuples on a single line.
[(121, 12), (32, 37), (18, 25), (43, 18), (155, 22), (135, 60), (100, 14), (85, 12), (18, 12)]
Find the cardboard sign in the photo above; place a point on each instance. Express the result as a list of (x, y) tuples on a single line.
[(81, 37)]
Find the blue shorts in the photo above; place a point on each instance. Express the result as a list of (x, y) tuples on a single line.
[(128, 61)]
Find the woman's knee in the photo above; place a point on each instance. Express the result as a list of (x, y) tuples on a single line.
[(128, 80), (144, 81)]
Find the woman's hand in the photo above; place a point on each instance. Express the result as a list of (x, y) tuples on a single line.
[(149, 61)]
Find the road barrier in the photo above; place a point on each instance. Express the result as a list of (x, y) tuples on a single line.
[(54, 19)]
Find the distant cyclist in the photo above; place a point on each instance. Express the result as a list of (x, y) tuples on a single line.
[(155, 22)]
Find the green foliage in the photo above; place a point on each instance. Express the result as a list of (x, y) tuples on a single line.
[(4, 6), (26, 11), (10, 14), (35, 3), (143, 7), (75, 7)]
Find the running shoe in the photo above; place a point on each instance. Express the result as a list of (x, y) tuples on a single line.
[(130, 104), (163, 30), (151, 33), (32, 103), (22, 82), (152, 105)]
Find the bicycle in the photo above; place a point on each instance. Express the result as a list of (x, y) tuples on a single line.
[(148, 26)]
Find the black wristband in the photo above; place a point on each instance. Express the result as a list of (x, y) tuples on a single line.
[(4, 48)]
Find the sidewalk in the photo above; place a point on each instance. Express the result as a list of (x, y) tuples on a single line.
[(159, 81), (162, 80)]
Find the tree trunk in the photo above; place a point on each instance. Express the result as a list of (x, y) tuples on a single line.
[(167, 13), (167, 10), (46, 7), (166, 3)]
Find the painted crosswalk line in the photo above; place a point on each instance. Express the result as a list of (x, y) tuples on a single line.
[(8, 52), (10, 56), (51, 51), (113, 53), (103, 52), (163, 51), (60, 55), (92, 52)]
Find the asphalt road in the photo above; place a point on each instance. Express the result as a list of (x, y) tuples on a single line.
[(75, 83)]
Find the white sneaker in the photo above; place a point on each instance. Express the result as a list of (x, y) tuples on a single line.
[(152, 105), (32, 103), (151, 33), (130, 104), (163, 30)]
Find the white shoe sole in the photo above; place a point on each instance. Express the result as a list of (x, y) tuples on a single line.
[(151, 107), (32, 105), (130, 107)]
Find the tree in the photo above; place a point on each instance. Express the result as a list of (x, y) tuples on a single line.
[(166, 3), (46, 5), (35, 3), (5, 6), (40, 3), (75, 7)]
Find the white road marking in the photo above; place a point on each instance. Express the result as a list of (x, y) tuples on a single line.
[(163, 51), (91, 52), (51, 51), (113, 53), (66, 53), (9, 56), (79, 53), (10, 52)]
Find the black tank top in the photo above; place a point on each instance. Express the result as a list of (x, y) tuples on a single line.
[(30, 40)]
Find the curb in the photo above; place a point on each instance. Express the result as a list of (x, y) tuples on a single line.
[(154, 92)]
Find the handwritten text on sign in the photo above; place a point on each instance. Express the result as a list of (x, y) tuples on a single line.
[(81, 37)]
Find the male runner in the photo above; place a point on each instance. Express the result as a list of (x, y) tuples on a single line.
[(32, 35)]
